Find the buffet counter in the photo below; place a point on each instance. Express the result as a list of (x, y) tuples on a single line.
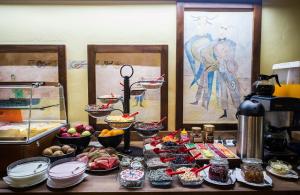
[(108, 184)]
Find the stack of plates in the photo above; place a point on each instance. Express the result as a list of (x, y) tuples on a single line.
[(27, 172), (66, 173)]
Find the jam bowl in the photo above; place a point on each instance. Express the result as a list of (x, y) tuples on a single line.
[(147, 130)]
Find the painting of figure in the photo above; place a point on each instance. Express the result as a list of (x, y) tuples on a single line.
[(217, 65)]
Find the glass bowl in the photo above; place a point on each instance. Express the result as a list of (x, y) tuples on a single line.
[(119, 122), (181, 161), (152, 83), (159, 178), (96, 111), (147, 130), (28, 169), (132, 178), (189, 178), (109, 98)]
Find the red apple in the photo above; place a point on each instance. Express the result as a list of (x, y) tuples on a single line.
[(65, 135), (63, 130), (79, 128), (89, 128), (76, 135)]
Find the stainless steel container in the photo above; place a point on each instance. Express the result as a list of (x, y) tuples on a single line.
[(250, 130)]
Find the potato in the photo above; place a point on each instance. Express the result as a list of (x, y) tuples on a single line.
[(70, 150), (58, 153), (65, 148), (55, 148), (47, 152)]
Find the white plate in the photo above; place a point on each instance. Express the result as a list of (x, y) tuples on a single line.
[(231, 178), (240, 178), (52, 184), (291, 175), (13, 184)]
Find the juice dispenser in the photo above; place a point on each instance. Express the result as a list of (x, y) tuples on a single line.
[(289, 78)]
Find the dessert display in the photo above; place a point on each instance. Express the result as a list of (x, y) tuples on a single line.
[(109, 133), (189, 177), (112, 98), (57, 152), (218, 170), (99, 159), (252, 170), (132, 178), (66, 173), (20, 130), (159, 177), (27, 172), (280, 167)]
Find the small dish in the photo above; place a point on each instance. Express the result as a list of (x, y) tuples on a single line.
[(55, 185), (280, 167), (96, 111), (113, 99), (136, 91), (147, 130), (32, 183), (193, 181), (267, 180), (152, 83), (290, 175)]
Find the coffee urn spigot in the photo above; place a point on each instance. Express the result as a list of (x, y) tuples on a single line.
[(250, 116)]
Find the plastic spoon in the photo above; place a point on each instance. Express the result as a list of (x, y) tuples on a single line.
[(183, 141), (191, 159), (184, 150), (196, 171), (158, 151), (165, 160), (174, 133), (159, 122), (107, 105), (155, 143), (170, 172), (130, 115)]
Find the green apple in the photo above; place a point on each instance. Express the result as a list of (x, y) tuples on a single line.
[(85, 134), (72, 130)]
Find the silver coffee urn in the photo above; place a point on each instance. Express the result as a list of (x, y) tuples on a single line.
[(250, 116)]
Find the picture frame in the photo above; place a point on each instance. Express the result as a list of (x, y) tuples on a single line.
[(38, 56), (184, 8), (124, 52)]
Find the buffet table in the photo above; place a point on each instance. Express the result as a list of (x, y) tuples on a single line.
[(108, 184)]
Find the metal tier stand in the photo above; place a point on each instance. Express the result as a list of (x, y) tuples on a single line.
[(128, 91), (126, 105)]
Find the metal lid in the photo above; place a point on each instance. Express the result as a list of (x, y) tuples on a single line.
[(252, 161), (251, 108), (208, 127)]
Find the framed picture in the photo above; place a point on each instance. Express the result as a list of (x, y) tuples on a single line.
[(104, 63), (34, 63), (218, 48)]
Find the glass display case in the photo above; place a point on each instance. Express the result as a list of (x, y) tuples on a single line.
[(30, 111)]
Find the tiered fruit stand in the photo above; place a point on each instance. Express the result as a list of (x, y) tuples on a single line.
[(96, 111)]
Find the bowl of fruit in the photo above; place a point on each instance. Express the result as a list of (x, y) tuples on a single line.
[(110, 138), (57, 152), (80, 135)]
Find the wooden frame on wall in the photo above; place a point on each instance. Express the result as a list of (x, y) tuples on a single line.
[(216, 7), (61, 60), (160, 49)]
